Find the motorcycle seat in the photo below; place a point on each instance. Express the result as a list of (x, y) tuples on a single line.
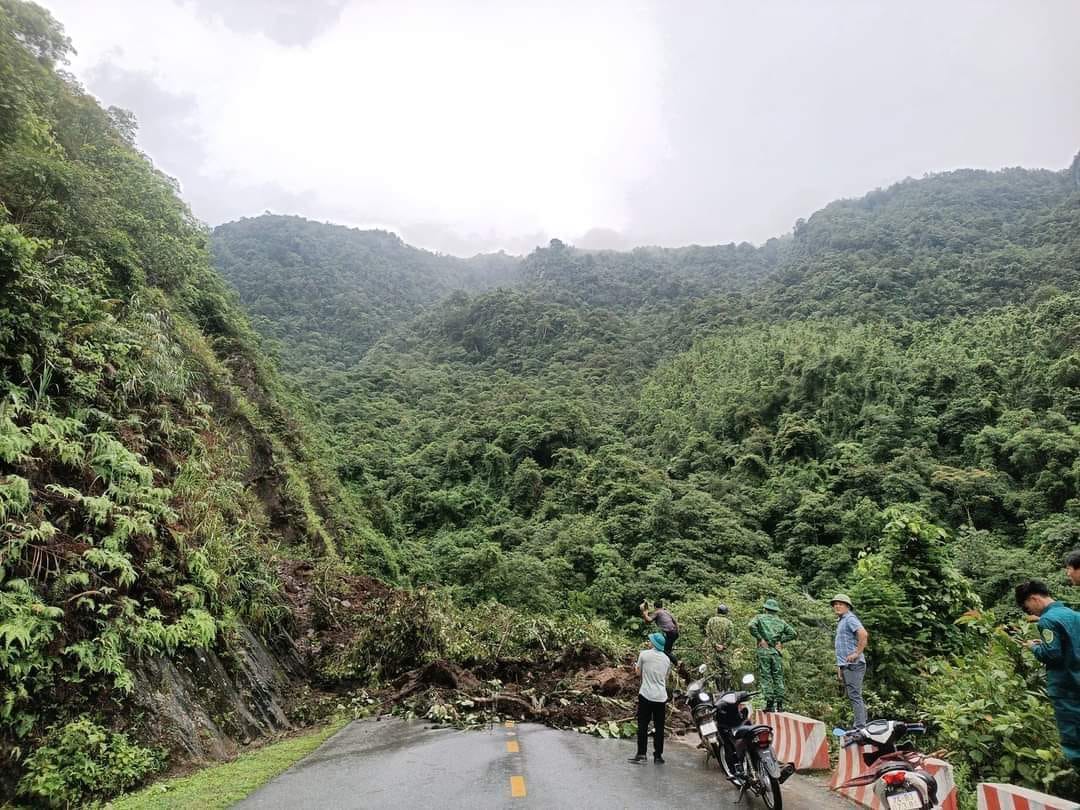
[(895, 766), (749, 731)]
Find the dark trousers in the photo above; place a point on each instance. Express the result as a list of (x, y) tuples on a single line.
[(669, 643), (852, 676), (650, 710)]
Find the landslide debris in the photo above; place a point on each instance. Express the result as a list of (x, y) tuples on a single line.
[(418, 654)]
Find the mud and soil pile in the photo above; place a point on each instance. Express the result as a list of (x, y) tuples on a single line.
[(580, 686), (557, 692)]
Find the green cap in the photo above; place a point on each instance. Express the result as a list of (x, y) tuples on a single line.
[(841, 597), (772, 605)]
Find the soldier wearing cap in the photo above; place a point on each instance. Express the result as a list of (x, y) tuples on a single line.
[(771, 633), (851, 640)]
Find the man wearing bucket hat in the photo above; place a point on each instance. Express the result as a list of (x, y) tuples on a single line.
[(771, 633), (851, 640), (653, 664)]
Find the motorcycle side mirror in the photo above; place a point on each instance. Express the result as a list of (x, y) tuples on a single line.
[(702, 669), (748, 678)]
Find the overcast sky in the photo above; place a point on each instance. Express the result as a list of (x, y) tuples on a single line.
[(477, 125)]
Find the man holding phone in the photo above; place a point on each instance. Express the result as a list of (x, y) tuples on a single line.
[(1057, 650)]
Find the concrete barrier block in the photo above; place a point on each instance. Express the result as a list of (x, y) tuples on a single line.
[(797, 739), (851, 765), (995, 796)]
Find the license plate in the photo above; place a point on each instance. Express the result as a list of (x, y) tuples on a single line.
[(707, 729), (910, 800)]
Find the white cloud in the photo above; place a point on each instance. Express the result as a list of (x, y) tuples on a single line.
[(476, 115), (470, 122)]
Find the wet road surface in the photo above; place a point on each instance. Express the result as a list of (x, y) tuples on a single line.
[(393, 763)]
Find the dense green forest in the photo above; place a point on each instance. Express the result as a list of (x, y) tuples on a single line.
[(886, 400), (680, 414), (373, 272)]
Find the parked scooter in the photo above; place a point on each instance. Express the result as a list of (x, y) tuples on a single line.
[(744, 750), (899, 780), (703, 712)]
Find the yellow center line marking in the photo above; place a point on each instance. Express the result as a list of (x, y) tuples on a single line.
[(512, 746), (517, 786)]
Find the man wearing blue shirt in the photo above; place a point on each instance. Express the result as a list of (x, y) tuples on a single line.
[(1058, 650), (851, 640)]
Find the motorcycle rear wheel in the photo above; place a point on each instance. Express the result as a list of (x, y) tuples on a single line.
[(770, 786)]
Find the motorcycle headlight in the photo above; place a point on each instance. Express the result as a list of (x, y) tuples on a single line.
[(704, 697)]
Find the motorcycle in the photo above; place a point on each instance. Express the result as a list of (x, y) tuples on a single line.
[(899, 780), (744, 750)]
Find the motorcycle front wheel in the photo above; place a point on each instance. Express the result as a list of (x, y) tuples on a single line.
[(727, 760), (770, 788)]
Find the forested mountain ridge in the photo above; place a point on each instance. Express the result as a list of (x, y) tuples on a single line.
[(950, 244), (305, 283)]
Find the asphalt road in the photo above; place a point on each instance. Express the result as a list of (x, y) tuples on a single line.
[(393, 763)]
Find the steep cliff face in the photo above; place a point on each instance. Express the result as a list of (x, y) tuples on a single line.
[(204, 703)]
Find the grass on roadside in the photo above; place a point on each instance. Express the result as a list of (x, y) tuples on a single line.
[(223, 785)]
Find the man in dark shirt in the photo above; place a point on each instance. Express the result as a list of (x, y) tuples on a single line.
[(1072, 567), (665, 622)]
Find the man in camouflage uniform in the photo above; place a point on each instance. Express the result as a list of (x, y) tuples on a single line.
[(719, 636), (771, 633)]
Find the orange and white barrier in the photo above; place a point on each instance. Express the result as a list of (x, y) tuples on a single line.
[(797, 739), (993, 796), (851, 765)]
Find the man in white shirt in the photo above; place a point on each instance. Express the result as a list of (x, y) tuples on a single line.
[(654, 666)]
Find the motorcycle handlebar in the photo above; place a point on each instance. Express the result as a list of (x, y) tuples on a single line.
[(859, 737), (910, 728)]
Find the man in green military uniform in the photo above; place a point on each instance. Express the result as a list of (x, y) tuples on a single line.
[(771, 633), (1059, 651), (719, 635)]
